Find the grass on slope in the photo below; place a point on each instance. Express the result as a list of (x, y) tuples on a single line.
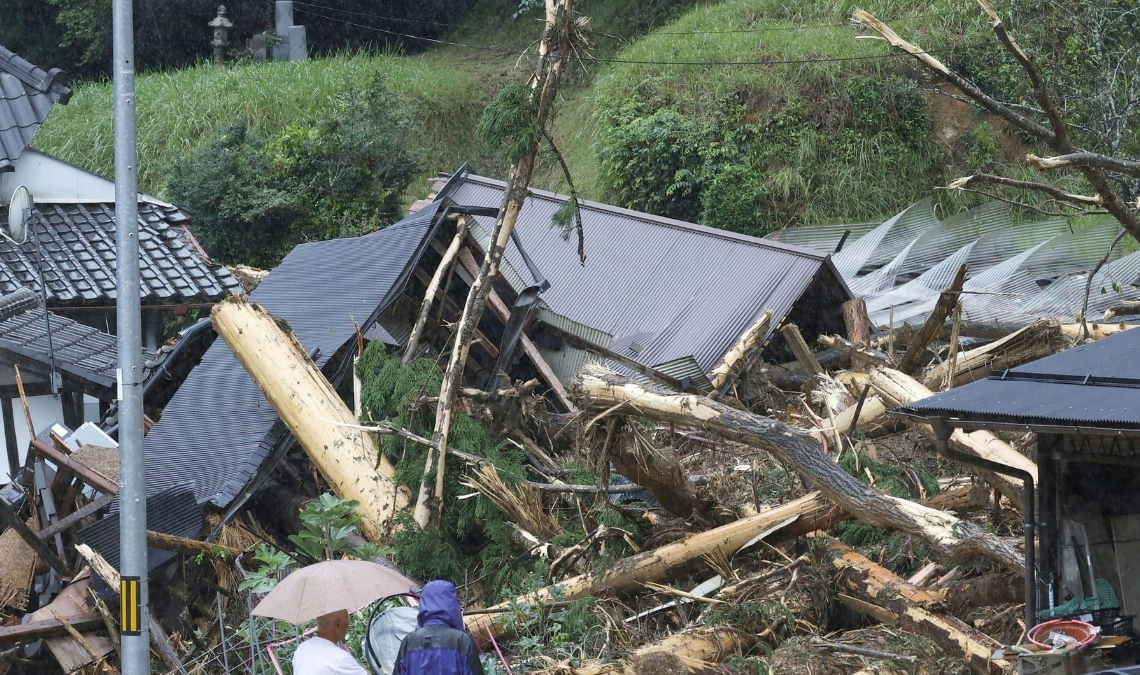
[(179, 111)]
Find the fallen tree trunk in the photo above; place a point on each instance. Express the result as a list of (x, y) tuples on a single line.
[(1022, 346), (628, 575), (966, 499), (795, 447), (692, 650), (445, 263), (859, 354), (916, 610), (912, 361), (659, 470), (903, 389), (313, 411), (734, 358), (1097, 331)]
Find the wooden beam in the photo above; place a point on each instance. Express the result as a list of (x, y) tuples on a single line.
[(34, 630), (912, 361), (799, 347), (65, 523), (85, 473), (169, 542), (42, 550), (503, 312)]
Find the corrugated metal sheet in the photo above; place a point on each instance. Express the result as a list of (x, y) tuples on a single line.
[(218, 428), (85, 352), (171, 511), (1094, 385), (27, 94), (676, 289), (821, 237), (78, 246)]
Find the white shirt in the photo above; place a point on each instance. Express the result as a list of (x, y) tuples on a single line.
[(318, 656)]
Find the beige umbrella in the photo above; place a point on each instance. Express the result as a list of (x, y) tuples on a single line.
[(329, 586)]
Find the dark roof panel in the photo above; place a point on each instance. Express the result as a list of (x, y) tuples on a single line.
[(677, 289), (218, 428), (77, 243), (27, 94), (1096, 385), (170, 511)]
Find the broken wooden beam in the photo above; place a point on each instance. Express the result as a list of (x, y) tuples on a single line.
[(98, 481), (804, 355), (64, 523), (659, 470), (628, 575), (48, 628), (917, 610), (313, 411), (796, 448), (192, 547), (912, 361), (696, 648), (1021, 346), (733, 361)]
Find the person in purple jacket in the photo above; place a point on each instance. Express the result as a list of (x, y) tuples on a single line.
[(439, 645)]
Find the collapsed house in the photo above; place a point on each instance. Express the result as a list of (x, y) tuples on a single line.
[(68, 259)]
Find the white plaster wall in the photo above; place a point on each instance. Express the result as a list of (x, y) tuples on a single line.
[(45, 410)]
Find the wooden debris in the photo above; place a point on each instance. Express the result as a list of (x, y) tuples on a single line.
[(96, 480), (1031, 342), (444, 267), (902, 389), (1097, 331), (1122, 309), (26, 533), (607, 390), (912, 361), (34, 630), (857, 322), (736, 356), (191, 547), (917, 610), (312, 410), (799, 347), (864, 355), (659, 470), (961, 500), (827, 645), (682, 652), (630, 574)]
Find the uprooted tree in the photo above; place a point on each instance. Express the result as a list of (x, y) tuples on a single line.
[(1070, 146)]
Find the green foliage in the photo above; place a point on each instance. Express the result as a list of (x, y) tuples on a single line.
[(326, 525), (473, 538), (895, 479), (511, 120), (752, 617), (264, 577), (569, 630), (254, 199)]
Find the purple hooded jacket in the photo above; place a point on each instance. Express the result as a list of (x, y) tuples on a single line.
[(439, 646)]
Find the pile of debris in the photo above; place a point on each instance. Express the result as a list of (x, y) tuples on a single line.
[(652, 470)]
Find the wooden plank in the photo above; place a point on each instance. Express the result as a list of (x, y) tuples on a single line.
[(34, 630), (95, 480), (503, 312), (800, 348), (65, 523)]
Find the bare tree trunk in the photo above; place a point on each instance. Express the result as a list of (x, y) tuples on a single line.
[(735, 357), (916, 610), (690, 650), (554, 49), (445, 265), (658, 470), (796, 448), (313, 411), (947, 300)]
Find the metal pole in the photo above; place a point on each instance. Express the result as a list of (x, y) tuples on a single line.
[(132, 475)]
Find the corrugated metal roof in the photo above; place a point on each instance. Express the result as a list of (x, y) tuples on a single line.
[(676, 289), (27, 94), (218, 428), (171, 511), (78, 251), (1095, 385), (80, 350)]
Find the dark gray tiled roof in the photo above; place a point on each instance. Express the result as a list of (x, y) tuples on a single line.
[(27, 94), (218, 428), (1096, 385), (82, 351), (78, 248), (170, 511), (676, 289)]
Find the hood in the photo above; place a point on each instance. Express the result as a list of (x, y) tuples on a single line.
[(439, 606)]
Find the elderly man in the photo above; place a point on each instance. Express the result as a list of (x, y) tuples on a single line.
[(323, 654), (439, 646)]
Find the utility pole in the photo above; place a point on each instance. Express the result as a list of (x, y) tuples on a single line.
[(132, 471)]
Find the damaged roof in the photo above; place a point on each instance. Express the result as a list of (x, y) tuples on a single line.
[(1093, 386), (218, 428), (668, 292), (77, 242), (79, 350), (27, 94)]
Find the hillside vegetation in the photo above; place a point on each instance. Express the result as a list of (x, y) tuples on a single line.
[(744, 114)]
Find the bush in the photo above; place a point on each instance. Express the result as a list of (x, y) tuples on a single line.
[(253, 199)]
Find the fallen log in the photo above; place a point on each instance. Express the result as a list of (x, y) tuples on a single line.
[(985, 591), (966, 499), (735, 357), (857, 353), (191, 547), (1097, 331), (1124, 308), (607, 390), (445, 263), (902, 389), (659, 470), (917, 610), (689, 651), (313, 411), (912, 361), (1022, 346), (629, 575), (799, 347)]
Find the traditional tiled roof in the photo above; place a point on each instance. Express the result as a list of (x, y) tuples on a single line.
[(77, 243), (27, 94)]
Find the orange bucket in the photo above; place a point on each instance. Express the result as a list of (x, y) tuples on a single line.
[(1082, 633)]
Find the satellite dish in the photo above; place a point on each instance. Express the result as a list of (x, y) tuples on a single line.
[(19, 211)]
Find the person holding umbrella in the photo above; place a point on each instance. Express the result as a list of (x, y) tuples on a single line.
[(322, 653), (439, 646)]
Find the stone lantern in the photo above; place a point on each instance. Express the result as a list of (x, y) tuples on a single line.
[(221, 26)]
